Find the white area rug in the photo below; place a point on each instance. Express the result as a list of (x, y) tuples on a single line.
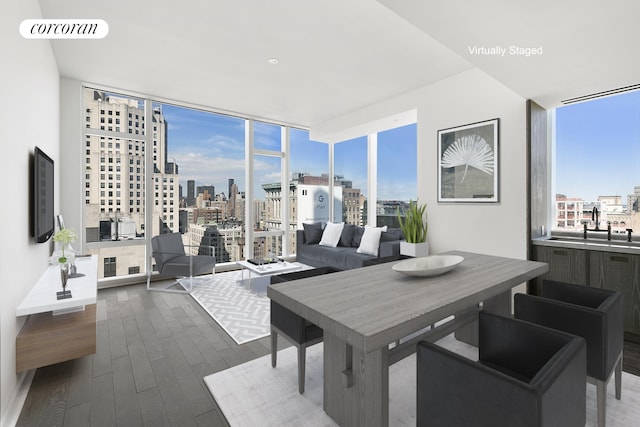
[(243, 314), (255, 394)]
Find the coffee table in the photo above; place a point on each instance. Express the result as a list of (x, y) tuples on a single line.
[(258, 285)]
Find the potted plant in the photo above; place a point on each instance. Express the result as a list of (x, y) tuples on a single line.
[(414, 227), (64, 258)]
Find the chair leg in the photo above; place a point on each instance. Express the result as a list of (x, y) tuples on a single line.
[(619, 378), (274, 348), (601, 393), (302, 353)]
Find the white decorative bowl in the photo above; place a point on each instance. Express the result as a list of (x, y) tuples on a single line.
[(432, 265)]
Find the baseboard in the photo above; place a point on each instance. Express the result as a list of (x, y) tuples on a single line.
[(14, 407)]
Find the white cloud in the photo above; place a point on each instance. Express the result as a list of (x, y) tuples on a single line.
[(215, 170)]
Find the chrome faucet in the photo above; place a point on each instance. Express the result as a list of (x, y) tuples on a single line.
[(594, 217)]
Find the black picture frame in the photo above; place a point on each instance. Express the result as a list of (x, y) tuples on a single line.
[(468, 163)]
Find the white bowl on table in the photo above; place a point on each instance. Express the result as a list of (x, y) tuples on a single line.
[(432, 265)]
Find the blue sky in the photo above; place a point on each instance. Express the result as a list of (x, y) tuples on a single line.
[(209, 148), (598, 147)]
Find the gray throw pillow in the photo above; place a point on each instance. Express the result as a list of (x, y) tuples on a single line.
[(357, 237), (312, 233), (347, 235)]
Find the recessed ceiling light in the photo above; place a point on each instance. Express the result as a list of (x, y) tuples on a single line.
[(273, 61)]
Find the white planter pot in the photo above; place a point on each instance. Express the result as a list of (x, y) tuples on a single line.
[(415, 250)]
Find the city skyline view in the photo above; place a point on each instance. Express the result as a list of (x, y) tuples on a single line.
[(199, 155), (598, 147), (209, 148)]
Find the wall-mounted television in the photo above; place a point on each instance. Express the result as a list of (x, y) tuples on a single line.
[(42, 202)]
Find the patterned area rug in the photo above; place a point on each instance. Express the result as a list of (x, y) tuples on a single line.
[(254, 393), (243, 314)]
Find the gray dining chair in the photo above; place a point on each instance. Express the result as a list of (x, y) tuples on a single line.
[(595, 314), (526, 375), (296, 329), (172, 261)]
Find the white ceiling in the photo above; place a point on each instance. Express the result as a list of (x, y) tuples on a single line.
[(588, 46), (337, 56)]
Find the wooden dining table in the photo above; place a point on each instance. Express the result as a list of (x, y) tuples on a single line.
[(367, 315)]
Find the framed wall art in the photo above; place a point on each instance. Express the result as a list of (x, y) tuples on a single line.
[(468, 163)]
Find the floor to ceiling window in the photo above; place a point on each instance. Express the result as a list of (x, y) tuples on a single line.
[(202, 189), (397, 174), (115, 131), (394, 179), (351, 183), (309, 166), (155, 167), (268, 197), (597, 165)]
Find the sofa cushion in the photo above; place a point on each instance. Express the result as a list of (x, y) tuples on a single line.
[(331, 234), (391, 234), (312, 233), (339, 257), (347, 235), (370, 240)]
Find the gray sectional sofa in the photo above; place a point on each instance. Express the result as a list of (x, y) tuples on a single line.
[(344, 256)]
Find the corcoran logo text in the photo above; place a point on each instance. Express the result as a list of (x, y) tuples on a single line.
[(64, 28)]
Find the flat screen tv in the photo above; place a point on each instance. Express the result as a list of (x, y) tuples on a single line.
[(43, 217)]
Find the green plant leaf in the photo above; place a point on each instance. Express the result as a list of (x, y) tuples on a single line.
[(414, 225)]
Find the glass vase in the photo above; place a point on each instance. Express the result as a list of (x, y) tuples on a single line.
[(64, 276)]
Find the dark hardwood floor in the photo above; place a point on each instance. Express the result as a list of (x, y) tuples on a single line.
[(153, 351)]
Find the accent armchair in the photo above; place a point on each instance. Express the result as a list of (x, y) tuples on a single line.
[(595, 314), (172, 261), (526, 375)]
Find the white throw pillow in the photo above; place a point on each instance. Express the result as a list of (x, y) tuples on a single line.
[(370, 240), (331, 234)]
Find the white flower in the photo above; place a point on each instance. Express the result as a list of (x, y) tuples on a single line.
[(65, 236), (66, 254)]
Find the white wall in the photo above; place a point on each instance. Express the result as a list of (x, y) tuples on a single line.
[(472, 96), (30, 116)]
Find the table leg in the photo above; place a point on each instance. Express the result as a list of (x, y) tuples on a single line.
[(499, 304), (246, 285), (356, 384)]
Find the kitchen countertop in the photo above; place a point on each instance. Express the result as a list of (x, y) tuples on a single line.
[(602, 245)]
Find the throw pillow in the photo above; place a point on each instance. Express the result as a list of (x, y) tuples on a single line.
[(312, 233), (357, 237), (370, 240), (331, 234), (347, 235)]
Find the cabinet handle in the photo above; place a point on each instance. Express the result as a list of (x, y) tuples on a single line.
[(619, 258), (559, 252)]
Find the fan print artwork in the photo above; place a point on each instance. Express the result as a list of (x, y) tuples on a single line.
[(468, 163)]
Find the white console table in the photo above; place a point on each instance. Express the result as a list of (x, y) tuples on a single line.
[(59, 330)]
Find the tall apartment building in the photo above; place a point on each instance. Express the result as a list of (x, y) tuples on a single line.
[(227, 241), (191, 193), (115, 176), (233, 200), (208, 192), (208, 215), (569, 212), (270, 217)]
